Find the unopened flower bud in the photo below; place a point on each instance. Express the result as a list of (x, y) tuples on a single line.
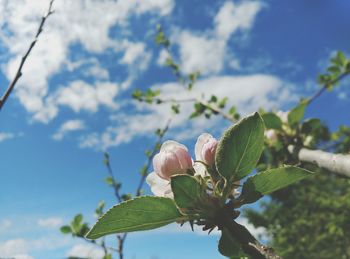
[(205, 148), (173, 158)]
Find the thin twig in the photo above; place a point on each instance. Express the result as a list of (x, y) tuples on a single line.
[(114, 182), (122, 237), (24, 58), (150, 157), (326, 86)]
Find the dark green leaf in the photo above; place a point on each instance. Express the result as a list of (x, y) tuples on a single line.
[(269, 181), (187, 191), (311, 125), (272, 121), (141, 213), (228, 246), (296, 114), (66, 229), (240, 147)]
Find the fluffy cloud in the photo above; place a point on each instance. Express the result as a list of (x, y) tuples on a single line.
[(80, 95), (53, 222), (68, 126), (86, 251), (247, 93), (74, 22), (21, 248), (15, 248), (233, 17), (206, 51)]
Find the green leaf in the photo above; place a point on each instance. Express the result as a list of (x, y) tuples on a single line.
[(109, 181), (141, 213), (311, 125), (187, 191), (296, 114), (228, 246), (240, 147), (269, 181), (76, 223), (272, 121), (66, 229)]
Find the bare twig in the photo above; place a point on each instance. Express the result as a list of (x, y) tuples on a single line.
[(24, 58)]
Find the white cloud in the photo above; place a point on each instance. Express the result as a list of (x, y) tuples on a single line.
[(163, 56), (6, 135), (15, 248), (206, 51), (53, 222), (79, 95), (247, 93), (68, 126), (136, 58), (21, 248), (232, 17), (74, 22), (86, 251)]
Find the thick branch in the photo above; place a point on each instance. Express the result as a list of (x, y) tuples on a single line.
[(337, 163), (24, 58)]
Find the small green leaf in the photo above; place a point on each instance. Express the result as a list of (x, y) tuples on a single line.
[(142, 213), (296, 114), (272, 121), (109, 181), (228, 246), (269, 181), (66, 229), (187, 191), (240, 147)]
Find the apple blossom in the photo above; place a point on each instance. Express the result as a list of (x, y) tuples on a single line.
[(205, 148), (173, 158), (159, 186)]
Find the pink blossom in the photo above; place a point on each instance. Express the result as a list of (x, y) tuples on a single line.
[(205, 148), (173, 158)]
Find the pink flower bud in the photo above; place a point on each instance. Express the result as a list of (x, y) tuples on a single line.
[(205, 148), (173, 158)]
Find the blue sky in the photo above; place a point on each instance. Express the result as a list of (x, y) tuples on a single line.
[(74, 101)]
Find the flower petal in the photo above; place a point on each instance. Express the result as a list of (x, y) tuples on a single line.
[(159, 186), (202, 139)]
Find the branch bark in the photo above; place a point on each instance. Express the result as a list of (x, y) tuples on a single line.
[(24, 58), (337, 163)]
